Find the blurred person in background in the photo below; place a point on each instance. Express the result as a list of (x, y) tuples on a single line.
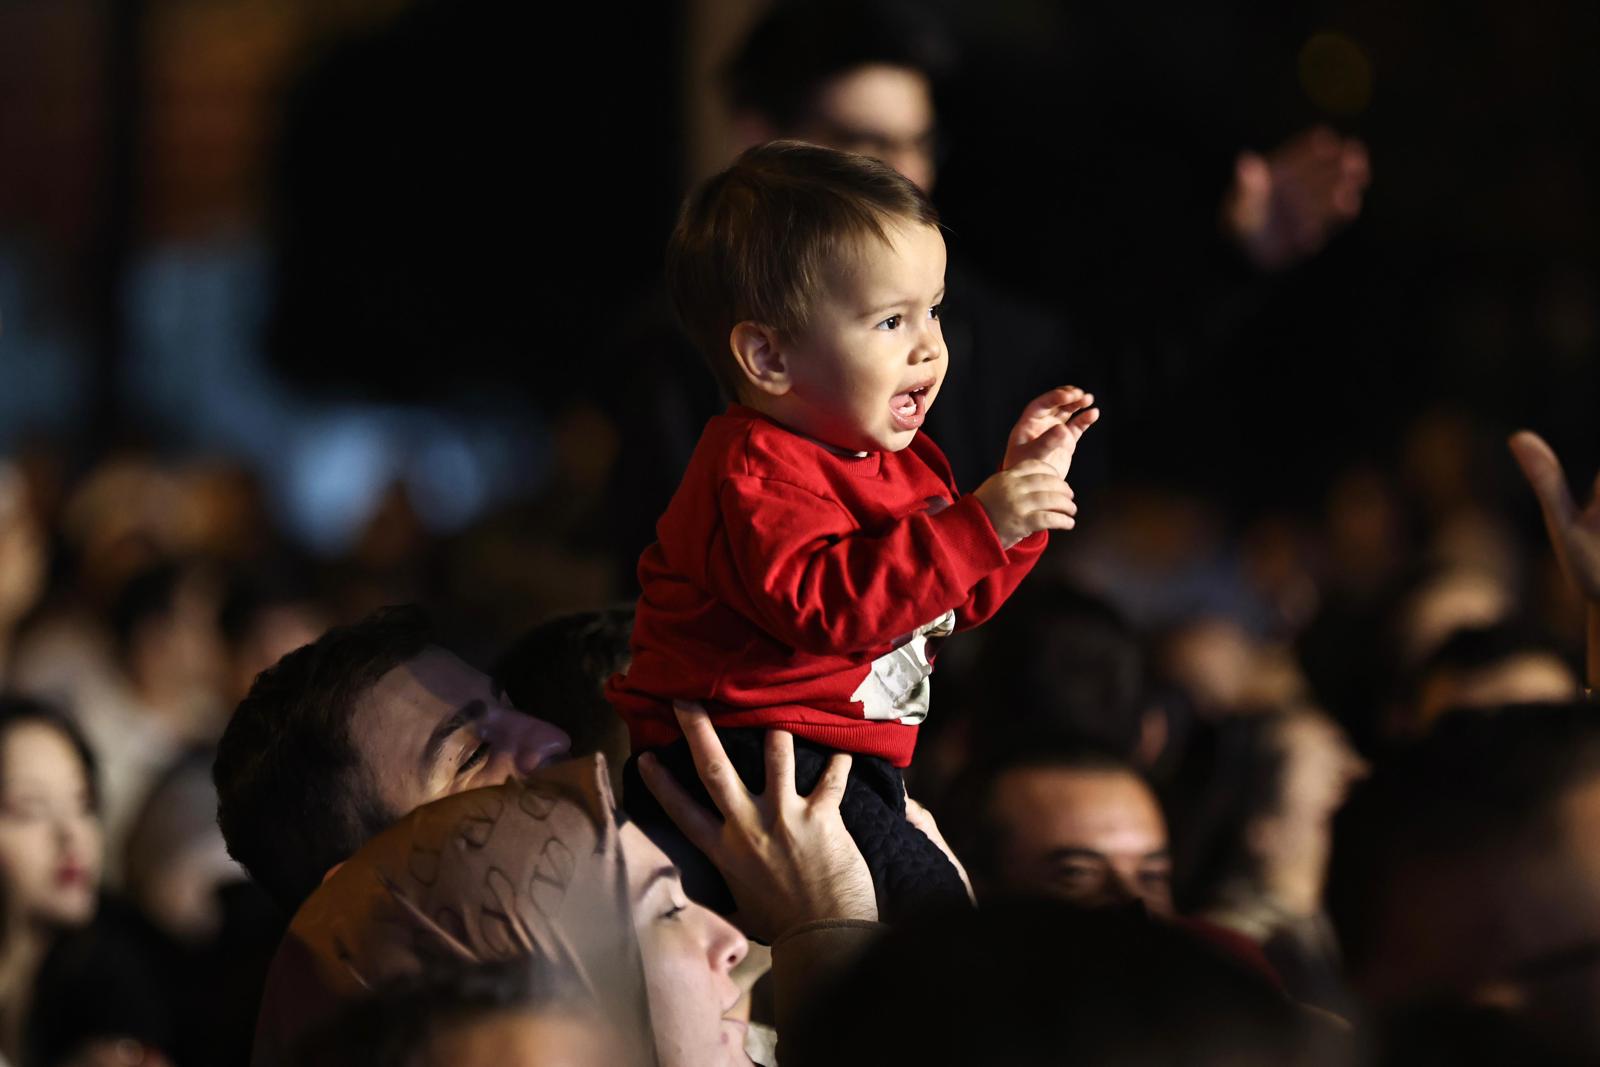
[(1252, 811), (265, 614), (1464, 879), (1219, 668), (164, 692), (1480, 667), (207, 931), (63, 999), (125, 515), (1441, 602)]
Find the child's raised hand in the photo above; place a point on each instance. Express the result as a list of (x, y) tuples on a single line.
[(1050, 427), (1025, 499)]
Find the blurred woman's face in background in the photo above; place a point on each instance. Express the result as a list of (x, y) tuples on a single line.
[(50, 843)]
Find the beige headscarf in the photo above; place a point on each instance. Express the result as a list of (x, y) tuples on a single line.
[(527, 868)]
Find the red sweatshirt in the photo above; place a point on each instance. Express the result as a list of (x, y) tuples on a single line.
[(785, 577)]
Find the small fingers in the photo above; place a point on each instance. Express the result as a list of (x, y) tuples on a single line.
[(1030, 468), (1050, 501), (1039, 483), (1055, 398), (1077, 403), (1051, 520)]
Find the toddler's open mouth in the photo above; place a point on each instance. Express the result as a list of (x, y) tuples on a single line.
[(910, 407)]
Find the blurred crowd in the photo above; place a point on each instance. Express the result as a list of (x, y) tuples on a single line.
[(1281, 756)]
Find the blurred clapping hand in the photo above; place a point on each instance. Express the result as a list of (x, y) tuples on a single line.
[(1284, 207)]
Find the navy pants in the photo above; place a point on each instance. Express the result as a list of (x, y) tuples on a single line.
[(911, 875)]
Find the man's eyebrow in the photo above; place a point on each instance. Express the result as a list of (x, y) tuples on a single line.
[(660, 873), (1157, 854), (471, 711)]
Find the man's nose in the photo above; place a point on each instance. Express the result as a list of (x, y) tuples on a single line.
[(1122, 888), (527, 740), (541, 743)]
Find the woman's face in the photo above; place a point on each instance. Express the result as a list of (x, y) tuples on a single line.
[(50, 847), (689, 955)]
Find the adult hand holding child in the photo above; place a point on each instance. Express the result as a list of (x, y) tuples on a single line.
[(787, 858)]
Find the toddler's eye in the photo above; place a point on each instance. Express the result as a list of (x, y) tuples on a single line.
[(935, 311), (890, 323)]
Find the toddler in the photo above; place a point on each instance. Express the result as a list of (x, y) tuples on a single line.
[(817, 551)]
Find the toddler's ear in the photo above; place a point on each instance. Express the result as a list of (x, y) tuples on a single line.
[(759, 352)]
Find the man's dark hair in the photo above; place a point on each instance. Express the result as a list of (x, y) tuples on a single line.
[(978, 837), (558, 671), (757, 241), (798, 46), (1483, 783), (293, 795)]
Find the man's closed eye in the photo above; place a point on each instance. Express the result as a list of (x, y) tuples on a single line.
[(478, 755)]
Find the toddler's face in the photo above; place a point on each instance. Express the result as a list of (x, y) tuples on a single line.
[(866, 370)]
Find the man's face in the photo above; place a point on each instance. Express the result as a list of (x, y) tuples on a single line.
[(433, 726), (867, 367), (879, 111), (1091, 837)]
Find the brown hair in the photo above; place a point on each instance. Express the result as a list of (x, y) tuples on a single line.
[(755, 242)]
